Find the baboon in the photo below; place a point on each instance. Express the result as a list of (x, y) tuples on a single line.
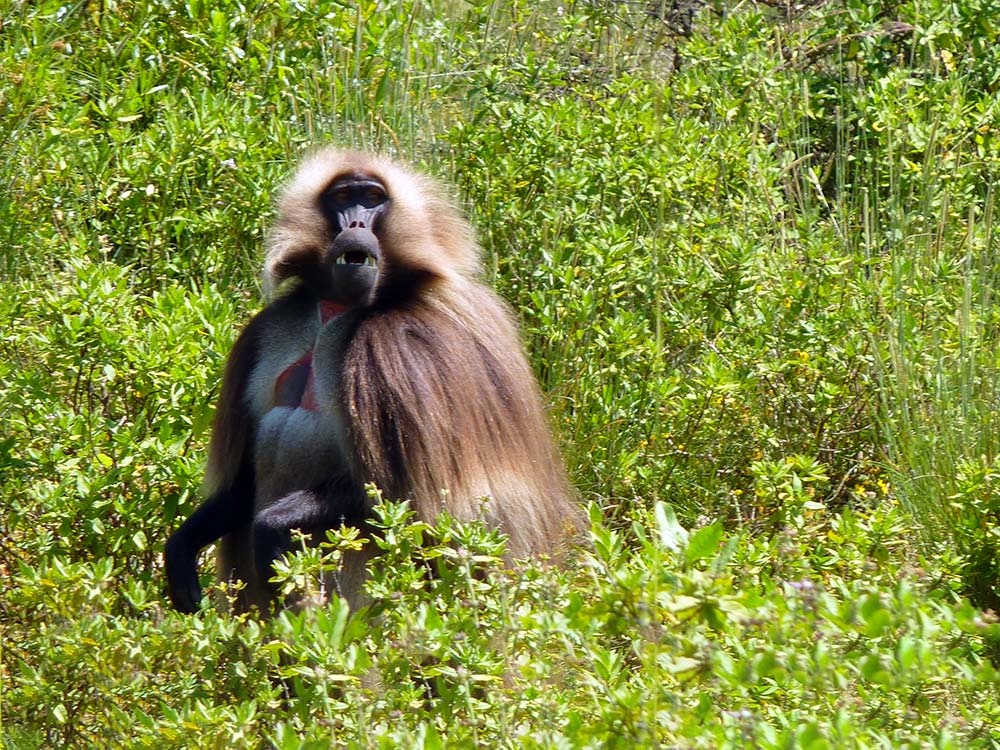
[(381, 359)]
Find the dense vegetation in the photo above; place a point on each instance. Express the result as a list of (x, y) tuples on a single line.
[(751, 247)]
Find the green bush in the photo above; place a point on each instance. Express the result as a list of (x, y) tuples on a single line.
[(753, 260), (826, 634)]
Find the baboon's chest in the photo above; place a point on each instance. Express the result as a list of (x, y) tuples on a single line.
[(296, 443)]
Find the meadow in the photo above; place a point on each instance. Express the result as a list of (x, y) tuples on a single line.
[(751, 249)]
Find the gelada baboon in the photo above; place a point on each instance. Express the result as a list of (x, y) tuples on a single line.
[(380, 359)]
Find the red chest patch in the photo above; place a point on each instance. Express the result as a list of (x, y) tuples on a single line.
[(294, 387), (329, 310)]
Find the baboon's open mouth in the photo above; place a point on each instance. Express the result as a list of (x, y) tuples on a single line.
[(356, 246), (356, 258)]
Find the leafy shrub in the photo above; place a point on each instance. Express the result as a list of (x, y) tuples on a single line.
[(754, 266), (826, 634)]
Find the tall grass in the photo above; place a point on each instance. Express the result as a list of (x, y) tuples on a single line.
[(922, 205), (938, 374)]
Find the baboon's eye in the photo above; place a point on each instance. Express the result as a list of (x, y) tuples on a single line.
[(372, 197), (351, 191)]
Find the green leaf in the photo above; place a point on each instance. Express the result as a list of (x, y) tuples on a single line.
[(704, 542), (672, 535)]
